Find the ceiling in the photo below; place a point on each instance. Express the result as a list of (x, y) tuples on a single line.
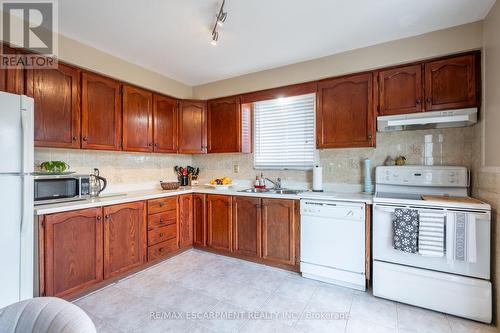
[(172, 37)]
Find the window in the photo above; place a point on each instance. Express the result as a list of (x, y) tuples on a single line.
[(284, 133)]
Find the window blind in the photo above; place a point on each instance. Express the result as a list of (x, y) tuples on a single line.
[(284, 133)]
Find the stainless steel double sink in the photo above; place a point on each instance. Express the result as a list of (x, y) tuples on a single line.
[(271, 191)]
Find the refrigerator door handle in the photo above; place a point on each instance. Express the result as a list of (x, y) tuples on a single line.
[(28, 137)]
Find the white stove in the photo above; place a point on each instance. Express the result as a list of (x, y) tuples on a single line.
[(440, 282)]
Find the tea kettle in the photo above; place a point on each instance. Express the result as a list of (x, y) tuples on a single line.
[(96, 187)]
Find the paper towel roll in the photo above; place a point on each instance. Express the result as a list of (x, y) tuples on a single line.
[(317, 178)]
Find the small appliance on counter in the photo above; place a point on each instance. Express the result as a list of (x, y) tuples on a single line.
[(96, 187)]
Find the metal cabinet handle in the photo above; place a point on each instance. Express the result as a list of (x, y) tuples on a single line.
[(417, 101), (84, 138), (162, 234), (106, 217), (75, 138), (162, 204), (98, 218)]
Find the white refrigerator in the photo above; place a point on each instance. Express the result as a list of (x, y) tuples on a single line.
[(16, 198)]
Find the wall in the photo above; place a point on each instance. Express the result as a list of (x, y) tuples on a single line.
[(433, 44), (487, 153), (343, 166), (123, 170), (84, 56)]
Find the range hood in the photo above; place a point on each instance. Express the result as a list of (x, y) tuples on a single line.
[(427, 120)]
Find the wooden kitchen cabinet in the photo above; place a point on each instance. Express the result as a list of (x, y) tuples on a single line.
[(345, 114), (11, 79), (165, 110), (228, 126), (451, 83), (199, 220), (219, 221), (125, 243), (137, 119), (186, 220), (247, 226), (192, 127), (101, 112), (280, 234), (73, 252), (57, 105), (401, 90)]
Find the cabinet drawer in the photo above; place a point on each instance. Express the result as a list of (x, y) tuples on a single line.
[(162, 234), (162, 249), (162, 219), (162, 205)]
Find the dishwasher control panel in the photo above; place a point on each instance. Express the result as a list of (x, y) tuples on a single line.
[(333, 209)]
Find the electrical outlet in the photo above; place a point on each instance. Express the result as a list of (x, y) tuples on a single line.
[(236, 168)]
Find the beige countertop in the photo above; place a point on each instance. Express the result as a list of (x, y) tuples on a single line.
[(130, 196)]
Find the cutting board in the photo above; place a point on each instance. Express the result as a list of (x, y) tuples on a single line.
[(443, 198)]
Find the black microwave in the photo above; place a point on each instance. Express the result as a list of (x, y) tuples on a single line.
[(61, 188)]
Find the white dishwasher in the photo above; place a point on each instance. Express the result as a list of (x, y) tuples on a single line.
[(332, 242)]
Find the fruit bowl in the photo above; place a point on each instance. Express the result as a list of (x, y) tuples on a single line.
[(220, 187)]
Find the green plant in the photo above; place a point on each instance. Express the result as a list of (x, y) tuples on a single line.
[(54, 166)]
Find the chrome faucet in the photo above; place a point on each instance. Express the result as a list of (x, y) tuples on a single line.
[(277, 183)]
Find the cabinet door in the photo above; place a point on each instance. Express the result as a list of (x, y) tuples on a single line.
[(199, 220), (11, 79), (101, 113), (124, 237), (186, 220), (137, 119), (247, 226), (73, 251), (451, 83), (224, 125), (165, 124), (401, 90), (192, 127), (57, 106), (344, 113), (279, 230), (219, 213)]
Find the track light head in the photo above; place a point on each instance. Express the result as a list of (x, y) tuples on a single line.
[(221, 18), (215, 38)]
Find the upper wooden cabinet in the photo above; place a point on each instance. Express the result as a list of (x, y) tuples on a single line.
[(101, 112), (165, 110), (219, 218), (228, 126), (125, 242), (57, 106), (186, 220), (280, 236), (11, 79), (401, 90), (247, 226), (199, 220), (72, 247), (192, 137), (345, 113), (137, 119), (451, 83)]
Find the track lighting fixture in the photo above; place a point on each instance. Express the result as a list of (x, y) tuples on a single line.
[(221, 18)]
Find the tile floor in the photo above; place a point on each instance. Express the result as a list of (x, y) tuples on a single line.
[(187, 293)]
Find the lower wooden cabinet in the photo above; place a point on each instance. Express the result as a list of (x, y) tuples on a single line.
[(199, 220), (247, 226), (124, 237), (72, 248), (280, 220), (185, 220), (219, 221), (163, 227)]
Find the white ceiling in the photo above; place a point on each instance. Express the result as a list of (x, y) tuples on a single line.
[(172, 37)]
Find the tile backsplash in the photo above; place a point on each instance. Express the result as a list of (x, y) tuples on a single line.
[(344, 166), (118, 167), (340, 166)]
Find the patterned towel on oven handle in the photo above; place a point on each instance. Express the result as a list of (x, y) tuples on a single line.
[(405, 230)]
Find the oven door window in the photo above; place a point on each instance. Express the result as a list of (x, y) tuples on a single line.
[(46, 189)]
